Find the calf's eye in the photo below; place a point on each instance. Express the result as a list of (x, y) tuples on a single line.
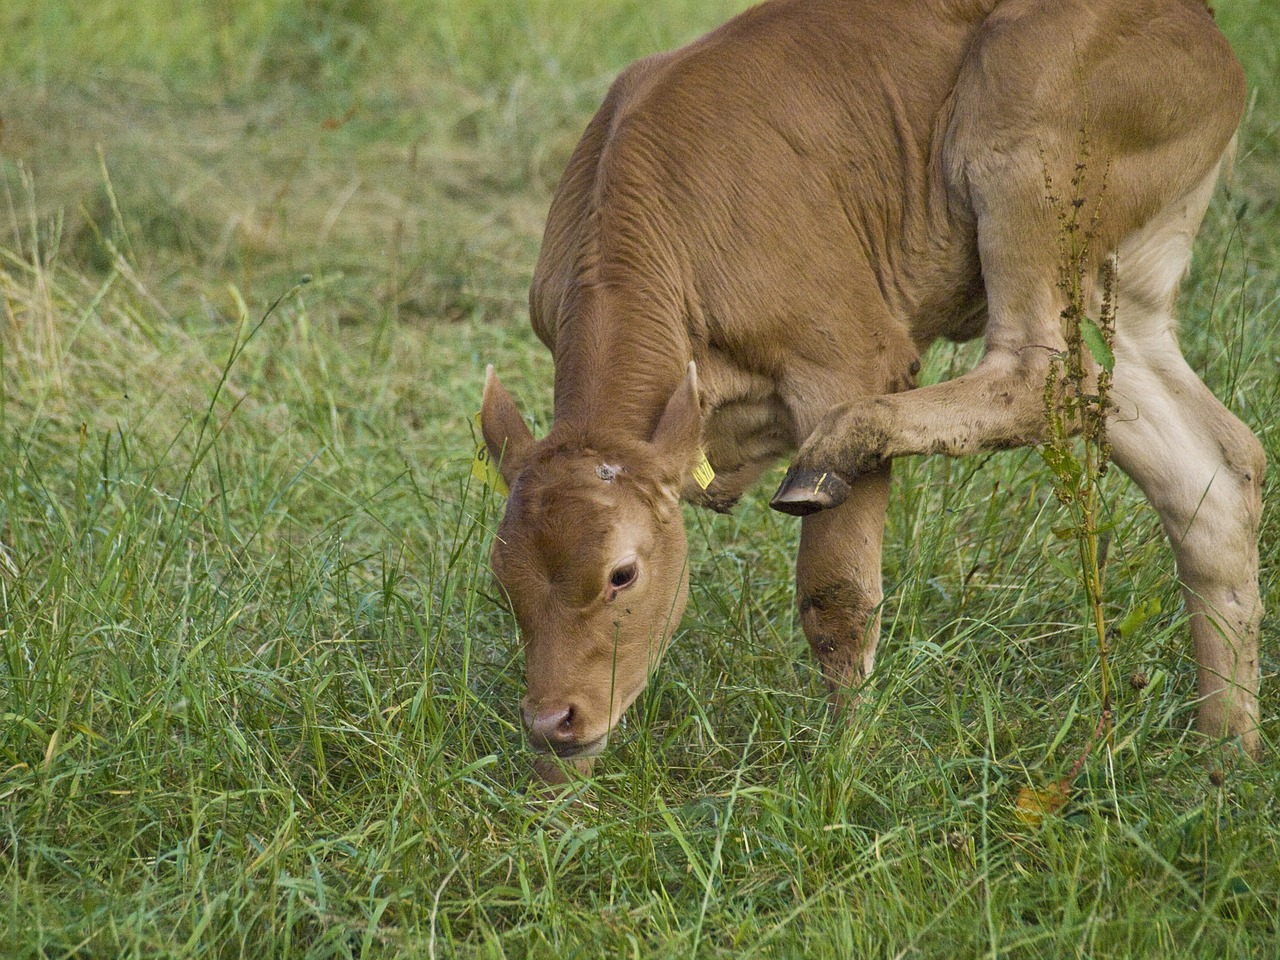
[(622, 577)]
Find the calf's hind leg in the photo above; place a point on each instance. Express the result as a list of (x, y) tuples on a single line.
[(1199, 466)]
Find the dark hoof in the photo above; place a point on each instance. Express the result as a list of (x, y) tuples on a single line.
[(807, 491)]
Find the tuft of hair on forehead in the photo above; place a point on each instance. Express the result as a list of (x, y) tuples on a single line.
[(573, 466)]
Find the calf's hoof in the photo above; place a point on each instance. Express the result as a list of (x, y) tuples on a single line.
[(805, 491)]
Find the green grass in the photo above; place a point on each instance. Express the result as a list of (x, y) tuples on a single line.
[(256, 695)]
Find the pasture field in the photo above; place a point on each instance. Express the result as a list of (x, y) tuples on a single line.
[(257, 696)]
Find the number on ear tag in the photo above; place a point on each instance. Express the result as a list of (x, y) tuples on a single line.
[(702, 472), (483, 468)]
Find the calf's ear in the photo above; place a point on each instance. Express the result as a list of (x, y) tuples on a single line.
[(505, 433), (676, 438)]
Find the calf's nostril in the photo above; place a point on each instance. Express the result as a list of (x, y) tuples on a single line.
[(556, 724)]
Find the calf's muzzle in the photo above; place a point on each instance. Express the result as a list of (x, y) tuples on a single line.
[(557, 728)]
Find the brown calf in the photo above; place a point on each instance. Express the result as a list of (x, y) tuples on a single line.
[(800, 203)]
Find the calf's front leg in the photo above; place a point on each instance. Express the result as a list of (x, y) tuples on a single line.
[(838, 584), (997, 405)]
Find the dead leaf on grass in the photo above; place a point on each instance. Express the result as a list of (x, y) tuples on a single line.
[(1033, 804)]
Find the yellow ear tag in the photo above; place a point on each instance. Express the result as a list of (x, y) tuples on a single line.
[(702, 472), (483, 467)]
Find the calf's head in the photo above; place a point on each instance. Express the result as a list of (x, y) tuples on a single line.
[(592, 556)]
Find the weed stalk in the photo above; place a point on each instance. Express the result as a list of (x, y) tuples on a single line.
[(1077, 399)]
